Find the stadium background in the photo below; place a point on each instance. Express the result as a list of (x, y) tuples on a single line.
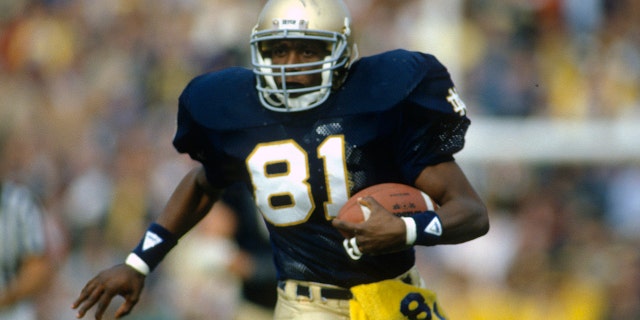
[(88, 94)]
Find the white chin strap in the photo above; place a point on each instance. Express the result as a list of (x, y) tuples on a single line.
[(302, 102)]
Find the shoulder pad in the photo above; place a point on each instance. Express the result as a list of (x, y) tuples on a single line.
[(224, 99), (382, 81)]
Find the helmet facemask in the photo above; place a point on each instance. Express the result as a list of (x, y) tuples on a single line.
[(332, 69)]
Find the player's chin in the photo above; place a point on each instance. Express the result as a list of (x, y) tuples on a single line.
[(295, 85)]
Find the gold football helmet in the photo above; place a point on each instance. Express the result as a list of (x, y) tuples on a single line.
[(325, 20)]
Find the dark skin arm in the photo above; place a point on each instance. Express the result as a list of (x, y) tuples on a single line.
[(462, 213), (189, 203)]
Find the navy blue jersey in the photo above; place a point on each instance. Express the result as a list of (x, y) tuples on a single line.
[(397, 113)]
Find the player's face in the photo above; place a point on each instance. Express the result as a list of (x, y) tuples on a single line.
[(283, 52)]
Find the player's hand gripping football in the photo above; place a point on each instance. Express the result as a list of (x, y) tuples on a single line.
[(119, 280), (382, 232)]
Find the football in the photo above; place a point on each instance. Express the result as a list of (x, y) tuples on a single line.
[(399, 199)]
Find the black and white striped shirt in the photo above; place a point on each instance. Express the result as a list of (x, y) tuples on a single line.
[(21, 229)]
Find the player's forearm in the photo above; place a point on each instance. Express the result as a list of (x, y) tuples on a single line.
[(189, 203), (463, 220), (462, 213)]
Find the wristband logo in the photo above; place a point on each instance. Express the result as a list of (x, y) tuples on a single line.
[(434, 227), (150, 240)]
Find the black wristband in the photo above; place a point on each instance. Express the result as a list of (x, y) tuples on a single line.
[(154, 246), (428, 228)]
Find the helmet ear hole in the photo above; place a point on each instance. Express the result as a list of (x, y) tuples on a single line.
[(327, 21)]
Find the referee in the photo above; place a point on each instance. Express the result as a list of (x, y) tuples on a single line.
[(24, 267)]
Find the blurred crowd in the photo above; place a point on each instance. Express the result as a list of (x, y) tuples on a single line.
[(88, 96)]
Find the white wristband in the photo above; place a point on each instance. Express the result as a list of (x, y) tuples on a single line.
[(410, 225), (138, 264)]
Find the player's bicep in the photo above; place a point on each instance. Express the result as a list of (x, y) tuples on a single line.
[(444, 182), (462, 212)]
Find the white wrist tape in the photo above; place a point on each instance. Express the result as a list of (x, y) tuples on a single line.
[(412, 234), (137, 263)]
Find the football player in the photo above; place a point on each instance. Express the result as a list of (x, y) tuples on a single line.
[(309, 126)]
